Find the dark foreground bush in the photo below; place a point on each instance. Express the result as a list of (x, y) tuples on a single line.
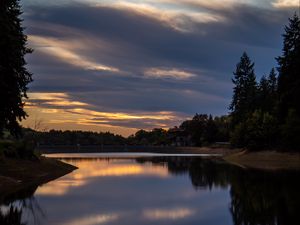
[(18, 150)]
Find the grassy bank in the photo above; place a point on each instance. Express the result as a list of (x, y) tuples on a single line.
[(267, 160), (22, 168), (19, 174)]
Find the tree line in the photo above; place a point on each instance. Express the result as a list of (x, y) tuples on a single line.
[(266, 114), (201, 130)]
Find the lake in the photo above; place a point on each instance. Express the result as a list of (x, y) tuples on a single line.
[(130, 189)]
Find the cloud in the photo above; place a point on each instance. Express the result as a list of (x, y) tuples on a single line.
[(176, 18), (52, 99), (168, 73), (62, 50), (286, 3), (50, 110)]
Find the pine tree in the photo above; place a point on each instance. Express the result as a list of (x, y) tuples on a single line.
[(289, 70), (14, 77), (289, 85), (245, 90), (267, 93), (273, 81)]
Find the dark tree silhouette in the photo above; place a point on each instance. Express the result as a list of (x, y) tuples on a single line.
[(12, 217), (244, 92), (289, 69), (289, 85), (267, 93), (14, 77)]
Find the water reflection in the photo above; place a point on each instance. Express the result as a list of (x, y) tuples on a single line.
[(95, 168), (18, 207), (160, 190), (93, 219), (257, 197), (168, 214), (10, 215)]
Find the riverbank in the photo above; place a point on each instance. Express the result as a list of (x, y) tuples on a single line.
[(19, 174), (134, 149), (266, 160)]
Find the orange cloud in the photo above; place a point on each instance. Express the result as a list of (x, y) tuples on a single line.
[(59, 111)]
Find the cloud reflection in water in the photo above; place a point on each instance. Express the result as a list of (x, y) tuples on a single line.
[(100, 168)]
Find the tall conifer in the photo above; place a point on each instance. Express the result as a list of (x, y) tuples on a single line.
[(245, 90), (14, 77)]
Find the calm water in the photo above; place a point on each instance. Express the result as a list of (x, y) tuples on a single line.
[(157, 190)]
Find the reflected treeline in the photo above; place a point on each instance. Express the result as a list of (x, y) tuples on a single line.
[(14, 206), (264, 197), (13, 216), (257, 197)]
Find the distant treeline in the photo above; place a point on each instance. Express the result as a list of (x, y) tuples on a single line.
[(201, 130), (58, 137)]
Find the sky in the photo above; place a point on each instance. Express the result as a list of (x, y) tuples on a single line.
[(125, 65)]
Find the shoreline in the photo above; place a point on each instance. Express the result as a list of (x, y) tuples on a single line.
[(17, 175), (265, 160)]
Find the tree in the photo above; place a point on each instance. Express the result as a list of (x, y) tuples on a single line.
[(196, 128), (267, 93), (244, 92), (291, 130), (289, 69), (223, 128), (14, 77), (210, 132)]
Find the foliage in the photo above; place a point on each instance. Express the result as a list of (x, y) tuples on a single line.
[(205, 129), (157, 137), (18, 149), (14, 77), (267, 93), (273, 119), (259, 131), (245, 90), (196, 128), (289, 68), (223, 124), (58, 137), (291, 131)]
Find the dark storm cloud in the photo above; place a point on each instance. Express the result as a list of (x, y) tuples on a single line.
[(133, 43)]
